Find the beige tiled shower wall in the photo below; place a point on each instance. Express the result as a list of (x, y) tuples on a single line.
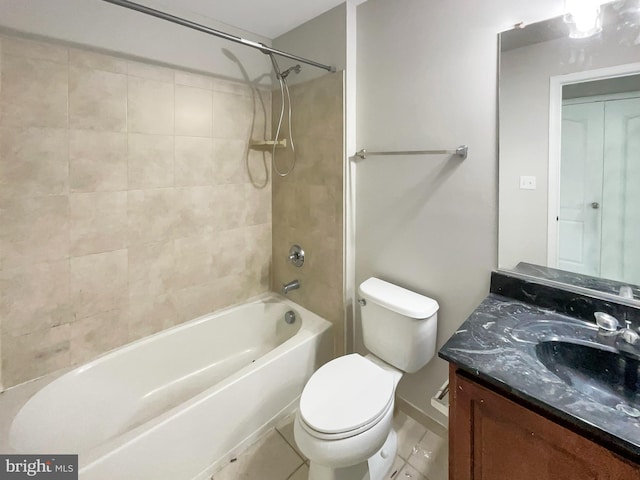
[(308, 203), (126, 203)]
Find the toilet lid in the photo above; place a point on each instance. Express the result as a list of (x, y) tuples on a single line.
[(345, 394)]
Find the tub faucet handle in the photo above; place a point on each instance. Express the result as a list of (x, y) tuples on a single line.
[(296, 255)]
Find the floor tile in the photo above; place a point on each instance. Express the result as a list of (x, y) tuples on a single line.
[(286, 430), (408, 472), (271, 458), (300, 474), (430, 457), (398, 465), (409, 433), (440, 469), (422, 455)]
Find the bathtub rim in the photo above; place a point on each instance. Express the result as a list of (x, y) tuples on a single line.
[(50, 377), (190, 323)]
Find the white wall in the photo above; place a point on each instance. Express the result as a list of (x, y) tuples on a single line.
[(109, 27), (524, 138), (427, 73)]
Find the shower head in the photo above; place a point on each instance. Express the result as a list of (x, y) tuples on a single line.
[(282, 75), (295, 68)]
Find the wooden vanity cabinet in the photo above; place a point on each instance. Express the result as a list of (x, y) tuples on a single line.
[(495, 438)]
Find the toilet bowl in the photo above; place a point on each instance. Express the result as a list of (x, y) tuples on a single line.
[(344, 423), (346, 410)]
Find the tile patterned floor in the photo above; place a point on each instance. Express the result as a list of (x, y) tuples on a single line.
[(422, 455)]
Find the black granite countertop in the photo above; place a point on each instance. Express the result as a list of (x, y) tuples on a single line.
[(497, 344)]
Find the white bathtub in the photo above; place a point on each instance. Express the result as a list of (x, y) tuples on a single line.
[(175, 404)]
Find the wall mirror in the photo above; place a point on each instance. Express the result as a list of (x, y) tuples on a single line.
[(569, 172)]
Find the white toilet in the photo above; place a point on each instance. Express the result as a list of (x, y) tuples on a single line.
[(344, 424)]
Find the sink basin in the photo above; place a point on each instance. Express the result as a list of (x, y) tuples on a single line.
[(605, 374), (537, 330)]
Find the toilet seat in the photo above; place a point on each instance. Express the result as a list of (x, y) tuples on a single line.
[(345, 397)]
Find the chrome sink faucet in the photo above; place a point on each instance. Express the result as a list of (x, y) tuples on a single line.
[(610, 324)]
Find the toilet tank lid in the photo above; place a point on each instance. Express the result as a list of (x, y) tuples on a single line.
[(398, 299)]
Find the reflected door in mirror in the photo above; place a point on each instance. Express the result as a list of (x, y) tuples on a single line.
[(621, 191), (579, 218), (599, 215)]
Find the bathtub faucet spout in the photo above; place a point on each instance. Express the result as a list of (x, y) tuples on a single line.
[(293, 285)]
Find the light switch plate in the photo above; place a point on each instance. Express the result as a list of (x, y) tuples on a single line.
[(527, 183)]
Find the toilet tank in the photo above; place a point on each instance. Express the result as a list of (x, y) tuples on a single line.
[(398, 326)]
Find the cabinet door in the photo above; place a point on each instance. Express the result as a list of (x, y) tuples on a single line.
[(493, 438)]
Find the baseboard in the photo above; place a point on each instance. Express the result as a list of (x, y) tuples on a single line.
[(421, 417)]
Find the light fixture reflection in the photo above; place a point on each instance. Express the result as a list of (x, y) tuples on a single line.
[(584, 17)]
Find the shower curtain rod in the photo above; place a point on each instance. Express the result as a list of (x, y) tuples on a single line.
[(211, 31)]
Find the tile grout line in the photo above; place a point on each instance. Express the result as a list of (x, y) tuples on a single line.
[(296, 470), (415, 467), (293, 447)]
